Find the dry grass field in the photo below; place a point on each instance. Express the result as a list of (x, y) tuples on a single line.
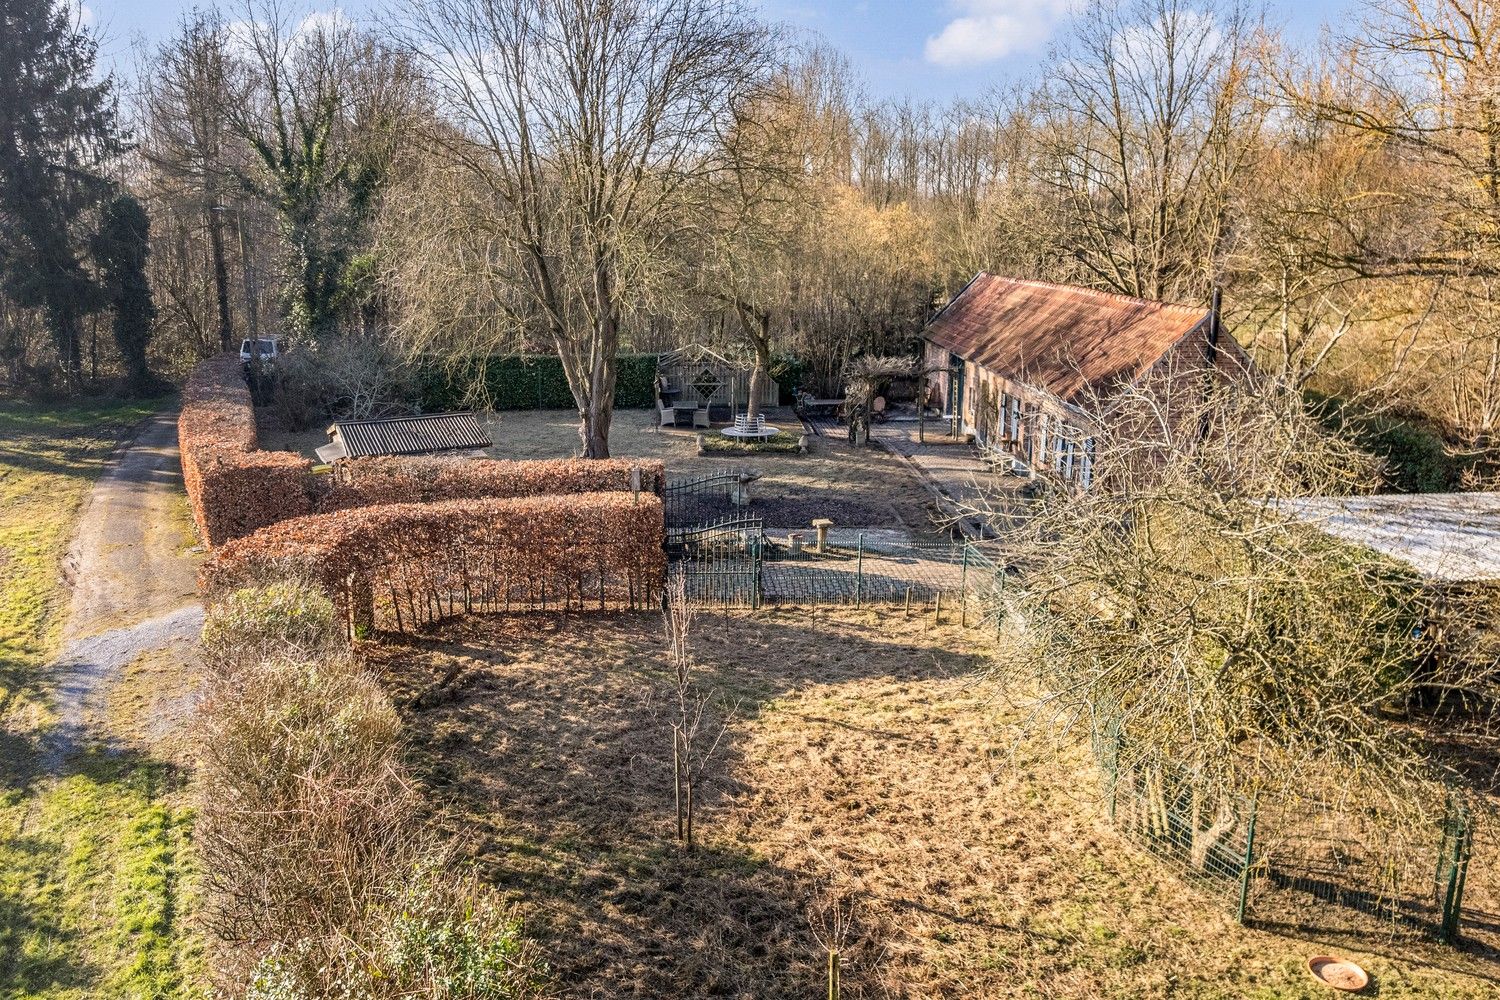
[(867, 766), (856, 487)]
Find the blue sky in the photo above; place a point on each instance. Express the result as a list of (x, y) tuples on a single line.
[(926, 48)]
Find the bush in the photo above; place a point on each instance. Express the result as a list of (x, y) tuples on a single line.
[(288, 619), (350, 378), (1414, 454), (305, 820), (439, 939), (527, 382)]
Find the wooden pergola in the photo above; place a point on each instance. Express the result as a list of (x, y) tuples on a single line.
[(698, 375)]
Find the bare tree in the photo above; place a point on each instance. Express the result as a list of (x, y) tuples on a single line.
[(1147, 123), (696, 738), (187, 99), (587, 122)]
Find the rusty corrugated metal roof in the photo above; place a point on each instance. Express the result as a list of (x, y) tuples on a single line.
[(418, 435), (1070, 342)]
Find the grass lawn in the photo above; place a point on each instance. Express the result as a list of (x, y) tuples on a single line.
[(856, 487), (866, 766), (92, 855)]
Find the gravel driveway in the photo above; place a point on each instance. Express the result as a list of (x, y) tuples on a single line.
[(133, 575)]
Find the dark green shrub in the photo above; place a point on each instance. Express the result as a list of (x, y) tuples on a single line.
[(1415, 456), (526, 382), (790, 372)]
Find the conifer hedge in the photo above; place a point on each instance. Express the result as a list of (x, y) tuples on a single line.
[(529, 382)]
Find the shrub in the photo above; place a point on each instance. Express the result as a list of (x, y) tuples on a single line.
[(233, 489), (527, 382), (440, 938), (287, 619), (1414, 454), (306, 819), (348, 378), (411, 564)]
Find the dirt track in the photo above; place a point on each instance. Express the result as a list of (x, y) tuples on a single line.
[(133, 576)]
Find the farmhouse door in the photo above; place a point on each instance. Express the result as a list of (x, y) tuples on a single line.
[(956, 389)]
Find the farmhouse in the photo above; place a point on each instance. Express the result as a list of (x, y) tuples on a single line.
[(427, 434), (1027, 367)]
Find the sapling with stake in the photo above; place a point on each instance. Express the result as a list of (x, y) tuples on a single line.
[(695, 741), (831, 919)]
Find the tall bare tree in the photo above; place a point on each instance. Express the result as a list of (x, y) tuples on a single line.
[(1147, 123), (588, 124), (187, 99)]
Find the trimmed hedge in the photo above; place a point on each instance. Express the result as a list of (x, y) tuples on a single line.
[(233, 488), (529, 382), (403, 566), (364, 482)]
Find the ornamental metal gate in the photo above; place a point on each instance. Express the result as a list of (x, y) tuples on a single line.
[(721, 562), (691, 504)]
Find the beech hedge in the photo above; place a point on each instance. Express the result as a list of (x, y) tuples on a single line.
[(402, 566), (529, 382), (364, 482), (232, 487)]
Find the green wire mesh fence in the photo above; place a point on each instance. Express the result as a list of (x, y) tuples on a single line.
[(1332, 867)]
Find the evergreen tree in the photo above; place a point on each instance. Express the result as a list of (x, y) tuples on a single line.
[(121, 248), (58, 129)]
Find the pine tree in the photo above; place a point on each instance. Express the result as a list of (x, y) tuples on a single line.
[(121, 249), (58, 130)]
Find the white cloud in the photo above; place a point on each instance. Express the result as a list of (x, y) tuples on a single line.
[(986, 30), (79, 14)]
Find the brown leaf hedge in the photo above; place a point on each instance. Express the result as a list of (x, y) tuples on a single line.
[(364, 482), (233, 488), (401, 566)]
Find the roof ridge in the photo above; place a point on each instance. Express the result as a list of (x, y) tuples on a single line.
[(406, 416), (1157, 304)]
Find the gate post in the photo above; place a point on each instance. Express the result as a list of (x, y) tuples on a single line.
[(963, 589), (755, 566)]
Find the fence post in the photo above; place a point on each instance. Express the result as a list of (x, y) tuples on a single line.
[(1239, 914), (963, 589), (755, 570), (1455, 855), (859, 569)]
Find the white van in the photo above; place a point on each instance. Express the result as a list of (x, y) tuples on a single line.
[(266, 348)]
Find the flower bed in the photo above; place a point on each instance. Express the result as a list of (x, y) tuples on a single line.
[(403, 566)]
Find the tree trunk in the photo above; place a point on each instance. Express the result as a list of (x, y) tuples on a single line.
[(757, 326), (597, 408), (69, 346), (221, 275)]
